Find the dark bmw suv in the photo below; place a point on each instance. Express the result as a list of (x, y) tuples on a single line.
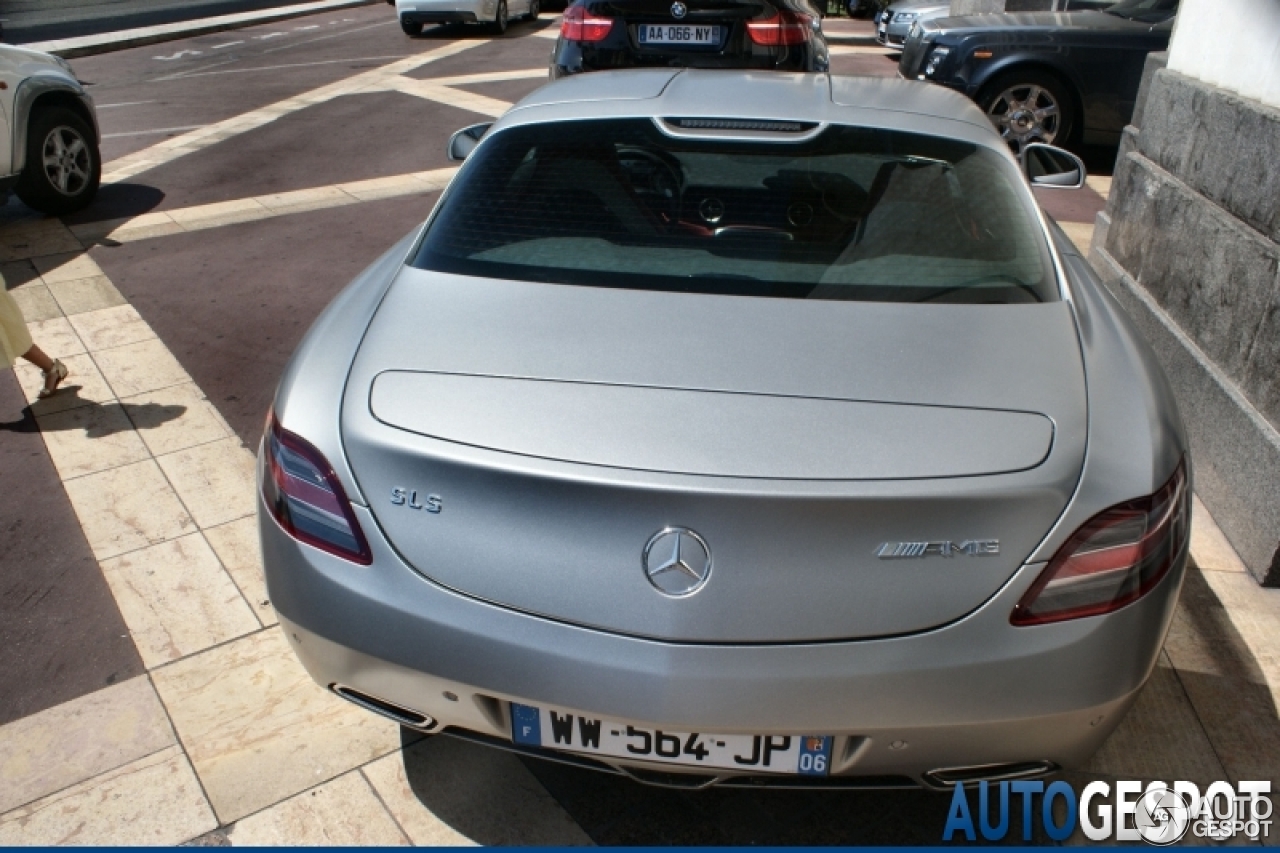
[(781, 35)]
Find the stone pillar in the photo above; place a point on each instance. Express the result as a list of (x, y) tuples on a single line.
[(1190, 244)]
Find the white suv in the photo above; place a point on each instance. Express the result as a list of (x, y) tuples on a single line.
[(48, 133), (415, 14)]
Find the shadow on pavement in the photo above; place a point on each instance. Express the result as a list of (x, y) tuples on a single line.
[(494, 797), (1212, 717), (140, 416), (118, 201)]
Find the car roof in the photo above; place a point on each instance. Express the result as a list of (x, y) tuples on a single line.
[(891, 104)]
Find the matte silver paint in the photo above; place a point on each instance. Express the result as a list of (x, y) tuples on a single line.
[(527, 588)]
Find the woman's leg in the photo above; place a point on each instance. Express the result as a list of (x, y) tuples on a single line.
[(52, 378), (36, 356)]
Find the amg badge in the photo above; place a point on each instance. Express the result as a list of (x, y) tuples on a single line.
[(908, 550)]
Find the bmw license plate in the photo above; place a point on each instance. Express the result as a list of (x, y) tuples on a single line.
[(678, 34), (806, 755)]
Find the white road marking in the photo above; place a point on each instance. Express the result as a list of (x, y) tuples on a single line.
[(122, 104), (158, 130), (266, 36), (432, 91), (292, 45), (489, 77), (178, 75), (178, 55), (289, 46), (164, 223), (227, 44), (288, 65), (179, 146), (311, 27)]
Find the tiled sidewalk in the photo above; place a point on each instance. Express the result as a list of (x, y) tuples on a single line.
[(226, 724)]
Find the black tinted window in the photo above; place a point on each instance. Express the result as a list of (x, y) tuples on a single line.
[(850, 214)]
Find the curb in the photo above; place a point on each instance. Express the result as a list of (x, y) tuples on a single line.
[(122, 39)]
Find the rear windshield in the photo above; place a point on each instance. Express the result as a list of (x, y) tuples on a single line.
[(853, 213)]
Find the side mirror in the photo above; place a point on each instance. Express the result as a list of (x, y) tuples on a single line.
[(465, 141), (1048, 166)]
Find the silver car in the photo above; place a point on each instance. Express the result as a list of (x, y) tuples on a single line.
[(726, 427), (894, 22)]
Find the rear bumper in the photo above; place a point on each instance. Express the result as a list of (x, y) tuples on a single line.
[(445, 11), (975, 692), (573, 58), (439, 17)]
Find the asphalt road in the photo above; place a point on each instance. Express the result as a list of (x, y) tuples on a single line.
[(231, 299), (27, 21)]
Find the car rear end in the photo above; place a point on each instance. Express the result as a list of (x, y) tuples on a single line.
[(598, 35), (427, 12), (901, 558)]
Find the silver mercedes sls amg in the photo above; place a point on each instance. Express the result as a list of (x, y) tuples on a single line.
[(731, 427)]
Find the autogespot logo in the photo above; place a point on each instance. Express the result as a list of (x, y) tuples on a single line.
[(1157, 813)]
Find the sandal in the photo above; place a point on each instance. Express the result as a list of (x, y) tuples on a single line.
[(52, 379)]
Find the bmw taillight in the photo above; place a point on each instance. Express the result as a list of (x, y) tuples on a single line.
[(783, 28), (1117, 557), (580, 25), (305, 497)]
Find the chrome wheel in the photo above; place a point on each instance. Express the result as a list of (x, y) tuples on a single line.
[(67, 160), (1027, 113)]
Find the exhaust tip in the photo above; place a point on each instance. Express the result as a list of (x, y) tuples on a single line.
[(949, 776), (406, 717)]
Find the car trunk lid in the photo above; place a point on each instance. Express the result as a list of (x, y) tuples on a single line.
[(561, 427)]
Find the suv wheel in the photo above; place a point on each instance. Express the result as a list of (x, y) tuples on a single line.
[(63, 164), (535, 9), (411, 28), (1030, 106)]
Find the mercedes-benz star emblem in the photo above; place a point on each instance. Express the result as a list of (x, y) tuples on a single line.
[(677, 561), (679, 10)]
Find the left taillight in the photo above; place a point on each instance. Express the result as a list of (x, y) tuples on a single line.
[(1114, 559), (783, 28), (580, 25), (305, 497)]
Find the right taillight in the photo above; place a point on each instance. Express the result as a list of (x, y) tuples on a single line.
[(1117, 557), (580, 25), (785, 27), (305, 497)]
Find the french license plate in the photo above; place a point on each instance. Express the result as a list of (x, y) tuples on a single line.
[(678, 34), (806, 755)]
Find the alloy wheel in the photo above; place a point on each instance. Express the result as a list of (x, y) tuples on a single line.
[(1026, 113), (67, 160)]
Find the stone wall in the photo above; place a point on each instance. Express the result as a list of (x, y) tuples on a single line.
[(1190, 243)]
